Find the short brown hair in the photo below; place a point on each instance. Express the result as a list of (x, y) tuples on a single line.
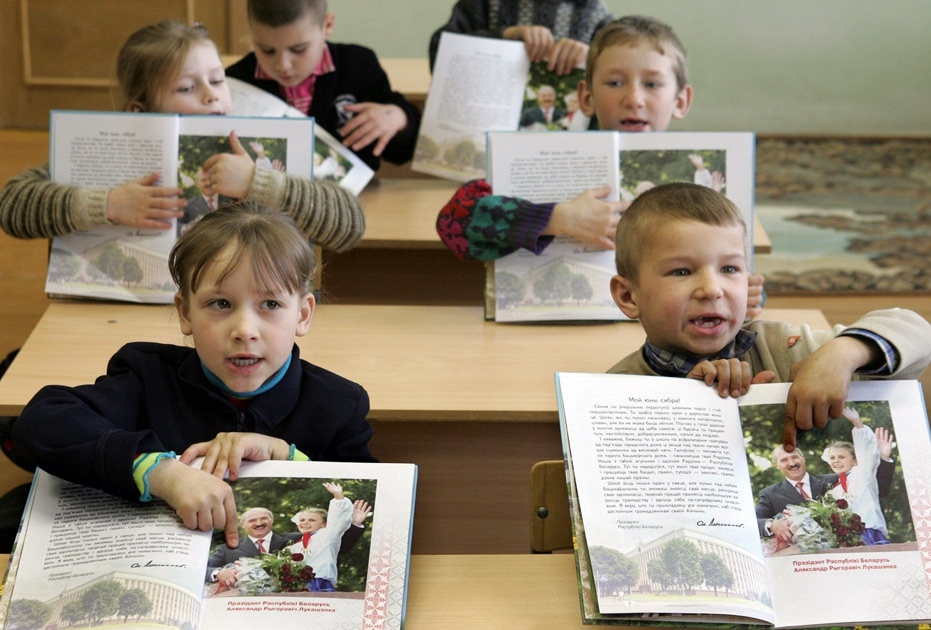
[(281, 257), (634, 29), (679, 201), (276, 13), (151, 58)]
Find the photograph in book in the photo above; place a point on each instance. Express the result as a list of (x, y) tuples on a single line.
[(332, 159), (149, 569), (107, 149), (482, 84), (570, 280), (673, 492)]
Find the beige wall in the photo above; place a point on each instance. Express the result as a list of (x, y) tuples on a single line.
[(769, 66)]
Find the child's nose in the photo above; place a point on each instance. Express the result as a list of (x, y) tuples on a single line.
[(633, 95)]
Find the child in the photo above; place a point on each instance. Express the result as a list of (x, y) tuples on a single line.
[(341, 85), (321, 536), (172, 68), (636, 79), (241, 393), (682, 271), (855, 465), (557, 32)]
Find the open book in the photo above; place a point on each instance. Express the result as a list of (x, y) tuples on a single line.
[(675, 498), (570, 280), (87, 558), (484, 84), (332, 159), (104, 149)]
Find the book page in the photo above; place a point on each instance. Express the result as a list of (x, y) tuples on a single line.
[(663, 492), (331, 158), (106, 149), (569, 280), (477, 86), (827, 576), (371, 578), (84, 551)]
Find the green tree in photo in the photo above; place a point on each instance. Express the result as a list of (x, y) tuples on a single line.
[(683, 563), (134, 603), (555, 285), (132, 271), (581, 288), (28, 614), (102, 600), (509, 289), (72, 612), (110, 263), (614, 568), (717, 574)]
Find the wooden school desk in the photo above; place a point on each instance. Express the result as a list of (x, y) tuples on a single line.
[(471, 402)]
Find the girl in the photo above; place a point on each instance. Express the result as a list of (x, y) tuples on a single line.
[(321, 536), (173, 68), (241, 393), (855, 465)]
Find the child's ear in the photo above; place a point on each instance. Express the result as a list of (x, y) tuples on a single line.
[(135, 107), (586, 100), (306, 314), (624, 293), (328, 21), (184, 314), (683, 102)]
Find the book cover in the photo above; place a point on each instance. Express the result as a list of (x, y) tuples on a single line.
[(105, 149), (570, 280), (667, 487), (86, 558)]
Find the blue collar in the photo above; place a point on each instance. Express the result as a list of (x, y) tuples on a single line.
[(267, 385)]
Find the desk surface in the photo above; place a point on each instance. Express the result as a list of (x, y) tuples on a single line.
[(401, 213), (417, 362)]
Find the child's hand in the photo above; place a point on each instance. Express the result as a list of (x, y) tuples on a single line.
[(566, 55), (853, 416), (140, 203), (733, 376), (754, 295), (884, 442), (820, 383), (717, 181), (537, 39), (588, 218), (360, 512), (202, 501), (372, 122), (228, 450), (231, 174), (335, 489)]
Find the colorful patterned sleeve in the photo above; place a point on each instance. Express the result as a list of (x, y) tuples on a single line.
[(477, 225)]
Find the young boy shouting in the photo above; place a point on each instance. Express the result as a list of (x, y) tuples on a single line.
[(341, 85), (636, 79), (681, 259)]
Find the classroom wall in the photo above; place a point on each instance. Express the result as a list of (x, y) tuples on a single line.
[(849, 67)]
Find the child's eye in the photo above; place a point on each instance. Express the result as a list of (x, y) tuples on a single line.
[(730, 269), (271, 305), (266, 51), (299, 50), (218, 81), (219, 304), (184, 89), (679, 272)]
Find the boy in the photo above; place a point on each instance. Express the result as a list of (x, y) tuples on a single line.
[(681, 259), (341, 85), (636, 79)]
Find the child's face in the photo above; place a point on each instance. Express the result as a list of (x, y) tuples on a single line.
[(200, 87), (691, 296), (310, 522), (242, 333), (290, 53), (634, 88), (841, 460)]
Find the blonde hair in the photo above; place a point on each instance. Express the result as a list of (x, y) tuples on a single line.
[(151, 58), (280, 256), (634, 29), (679, 201), (297, 517)]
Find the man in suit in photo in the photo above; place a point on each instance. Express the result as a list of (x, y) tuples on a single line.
[(206, 201), (546, 113), (259, 539), (800, 486)]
